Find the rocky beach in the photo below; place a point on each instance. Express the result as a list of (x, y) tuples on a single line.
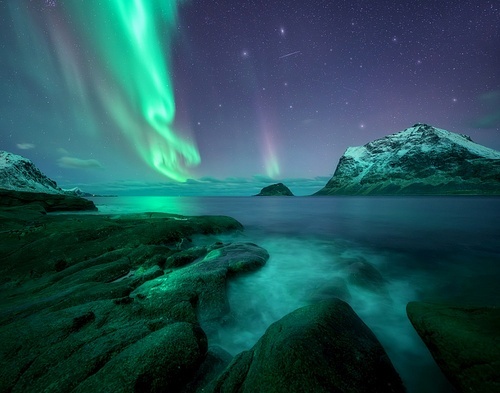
[(91, 300), (120, 302), (126, 301)]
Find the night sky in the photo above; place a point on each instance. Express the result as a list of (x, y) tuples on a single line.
[(225, 97)]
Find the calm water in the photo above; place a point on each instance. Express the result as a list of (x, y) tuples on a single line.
[(432, 248)]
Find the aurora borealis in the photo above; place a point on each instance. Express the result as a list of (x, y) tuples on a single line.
[(224, 97), (139, 94), (128, 76)]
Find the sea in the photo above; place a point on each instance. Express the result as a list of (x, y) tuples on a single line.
[(434, 249)]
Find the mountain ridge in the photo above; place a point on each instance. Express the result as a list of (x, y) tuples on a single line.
[(420, 160), (18, 173), (22, 184)]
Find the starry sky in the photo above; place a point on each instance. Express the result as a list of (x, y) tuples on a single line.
[(225, 97)]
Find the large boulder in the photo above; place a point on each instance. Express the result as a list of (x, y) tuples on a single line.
[(464, 341), (202, 283), (323, 347), (364, 275)]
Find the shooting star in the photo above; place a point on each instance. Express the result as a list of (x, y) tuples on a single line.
[(289, 54)]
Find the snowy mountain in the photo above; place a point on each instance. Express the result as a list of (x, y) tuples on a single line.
[(22, 184), (20, 174), (421, 160)]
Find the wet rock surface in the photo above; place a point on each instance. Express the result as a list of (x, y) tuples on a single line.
[(363, 274), (76, 312), (464, 341), (323, 347)]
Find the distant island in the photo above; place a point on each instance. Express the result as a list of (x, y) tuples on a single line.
[(278, 189), (421, 160), (78, 192)]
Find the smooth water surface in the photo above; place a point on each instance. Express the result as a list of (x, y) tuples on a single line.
[(438, 249)]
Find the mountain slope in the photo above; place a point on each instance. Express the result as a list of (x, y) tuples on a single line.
[(20, 174), (421, 160), (23, 184)]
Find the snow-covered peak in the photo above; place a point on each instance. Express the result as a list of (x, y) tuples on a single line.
[(423, 138), (74, 190), (418, 160), (20, 174), (452, 137)]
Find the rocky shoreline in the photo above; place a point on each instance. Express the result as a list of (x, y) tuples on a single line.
[(124, 302), (47, 202)]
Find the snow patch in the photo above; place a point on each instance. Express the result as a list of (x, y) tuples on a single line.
[(20, 174)]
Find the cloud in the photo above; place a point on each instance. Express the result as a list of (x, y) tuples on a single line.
[(227, 180), (264, 179), (25, 146), (78, 163), (205, 186), (62, 151)]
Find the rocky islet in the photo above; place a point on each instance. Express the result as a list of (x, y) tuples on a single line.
[(278, 189)]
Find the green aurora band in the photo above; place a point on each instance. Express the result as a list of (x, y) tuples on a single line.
[(132, 39)]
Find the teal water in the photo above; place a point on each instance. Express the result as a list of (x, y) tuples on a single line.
[(436, 249)]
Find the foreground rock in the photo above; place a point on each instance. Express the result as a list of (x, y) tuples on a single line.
[(202, 283), (464, 341), (319, 348), (421, 160), (162, 361), (278, 189), (363, 274), (89, 304)]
